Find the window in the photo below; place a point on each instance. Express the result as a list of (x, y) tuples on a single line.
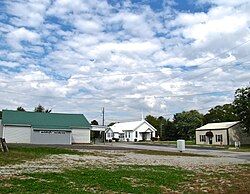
[(202, 138), (128, 134), (136, 134), (121, 135), (218, 138)]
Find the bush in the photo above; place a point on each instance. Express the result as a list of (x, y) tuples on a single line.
[(116, 139), (154, 138), (135, 140)]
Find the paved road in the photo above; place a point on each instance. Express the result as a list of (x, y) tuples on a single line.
[(221, 153)]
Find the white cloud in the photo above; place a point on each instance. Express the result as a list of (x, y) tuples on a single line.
[(15, 37), (8, 64), (93, 54)]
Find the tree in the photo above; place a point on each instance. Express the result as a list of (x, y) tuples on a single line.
[(40, 108), (20, 108), (170, 132), (187, 122), (111, 124), (154, 122), (94, 122), (225, 113), (242, 106)]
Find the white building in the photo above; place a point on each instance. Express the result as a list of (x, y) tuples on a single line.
[(131, 131), (44, 128), (224, 133)]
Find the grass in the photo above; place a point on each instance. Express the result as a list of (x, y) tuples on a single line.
[(243, 148), (133, 179), (227, 179), (165, 153), (164, 142), (124, 179), (20, 153)]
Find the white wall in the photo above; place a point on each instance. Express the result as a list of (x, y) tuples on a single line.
[(17, 134), (80, 136), (222, 132), (109, 134), (1, 128)]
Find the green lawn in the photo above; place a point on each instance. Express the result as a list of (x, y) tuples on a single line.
[(124, 179), (20, 153)]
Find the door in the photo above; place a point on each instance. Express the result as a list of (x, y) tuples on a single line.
[(51, 137), (210, 140), (80, 136)]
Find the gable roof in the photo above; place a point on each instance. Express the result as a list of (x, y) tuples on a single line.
[(222, 125), (45, 120), (128, 126)]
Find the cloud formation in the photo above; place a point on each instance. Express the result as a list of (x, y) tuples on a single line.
[(79, 56)]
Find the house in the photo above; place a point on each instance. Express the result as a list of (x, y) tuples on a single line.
[(131, 131), (44, 128), (224, 133)]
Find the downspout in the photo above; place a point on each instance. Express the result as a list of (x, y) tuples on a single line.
[(227, 137)]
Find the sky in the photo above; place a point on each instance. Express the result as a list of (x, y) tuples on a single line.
[(155, 57)]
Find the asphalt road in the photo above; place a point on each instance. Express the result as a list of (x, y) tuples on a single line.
[(214, 152)]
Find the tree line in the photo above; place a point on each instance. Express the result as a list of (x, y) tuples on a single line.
[(184, 124), (38, 108)]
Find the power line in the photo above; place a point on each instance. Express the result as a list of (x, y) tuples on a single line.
[(130, 73), (110, 98)]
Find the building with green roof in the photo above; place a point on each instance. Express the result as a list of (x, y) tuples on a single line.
[(44, 128)]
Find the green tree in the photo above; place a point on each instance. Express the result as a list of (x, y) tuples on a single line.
[(111, 124), (40, 108), (242, 106), (20, 108), (186, 123), (94, 122), (155, 122), (170, 131), (225, 113)]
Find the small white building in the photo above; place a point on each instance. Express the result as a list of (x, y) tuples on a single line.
[(131, 131), (224, 133)]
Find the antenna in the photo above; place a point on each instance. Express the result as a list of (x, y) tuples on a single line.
[(142, 117)]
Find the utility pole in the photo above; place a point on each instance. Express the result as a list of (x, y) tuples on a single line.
[(103, 124), (103, 116)]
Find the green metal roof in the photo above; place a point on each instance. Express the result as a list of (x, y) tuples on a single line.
[(45, 120)]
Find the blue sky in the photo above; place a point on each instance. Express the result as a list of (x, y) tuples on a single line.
[(153, 56)]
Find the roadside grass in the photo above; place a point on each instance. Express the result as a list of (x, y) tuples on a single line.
[(21, 153), (123, 179), (163, 142), (243, 148), (165, 153)]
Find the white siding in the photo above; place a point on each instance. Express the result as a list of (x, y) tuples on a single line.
[(222, 132), (14, 134), (109, 134), (51, 137), (1, 128), (80, 136)]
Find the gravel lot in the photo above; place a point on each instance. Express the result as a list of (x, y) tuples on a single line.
[(112, 158)]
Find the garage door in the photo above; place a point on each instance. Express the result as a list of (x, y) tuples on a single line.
[(51, 137), (14, 134), (80, 136)]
